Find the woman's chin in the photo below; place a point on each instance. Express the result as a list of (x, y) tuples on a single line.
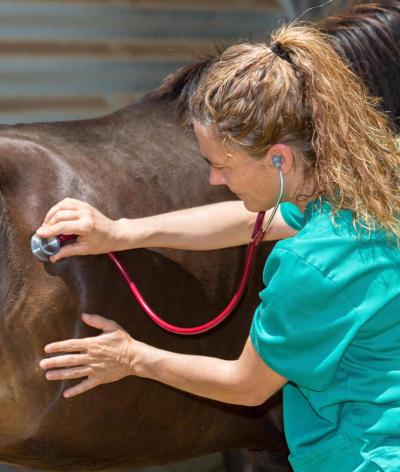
[(250, 206)]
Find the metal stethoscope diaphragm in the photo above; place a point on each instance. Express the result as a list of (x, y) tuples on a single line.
[(43, 248)]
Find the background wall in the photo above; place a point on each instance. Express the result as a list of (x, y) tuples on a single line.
[(65, 59)]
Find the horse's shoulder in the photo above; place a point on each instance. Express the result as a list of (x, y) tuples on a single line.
[(29, 154), (24, 138)]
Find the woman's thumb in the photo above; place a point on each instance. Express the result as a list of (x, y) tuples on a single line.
[(69, 250), (99, 322)]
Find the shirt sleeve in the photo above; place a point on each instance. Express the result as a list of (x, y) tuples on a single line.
[(304, 322), (292, 215)]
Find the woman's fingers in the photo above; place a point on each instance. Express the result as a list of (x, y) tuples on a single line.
[(58, 219), (69, 345), (84, 386), (69, 250), (68, 374), (99, 322), (66, 204), (102, 359), (62, 361), (64, 215), (64, 227)]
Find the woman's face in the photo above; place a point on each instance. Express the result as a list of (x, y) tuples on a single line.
[(255, 182)]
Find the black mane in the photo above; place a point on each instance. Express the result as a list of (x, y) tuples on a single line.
[(180, 85), (366, 35)]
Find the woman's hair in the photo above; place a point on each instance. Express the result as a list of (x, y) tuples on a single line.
[(305, 96)]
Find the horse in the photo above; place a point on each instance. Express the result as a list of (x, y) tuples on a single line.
[(135, 162)]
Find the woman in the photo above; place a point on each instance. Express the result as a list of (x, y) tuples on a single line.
[(327, 327)]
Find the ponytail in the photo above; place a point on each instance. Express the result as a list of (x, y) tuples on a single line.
[(301, 93)]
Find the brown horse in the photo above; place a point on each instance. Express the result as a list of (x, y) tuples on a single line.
[(135, 162)]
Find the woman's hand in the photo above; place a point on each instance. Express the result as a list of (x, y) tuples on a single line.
[(96, 233), (101, 359)]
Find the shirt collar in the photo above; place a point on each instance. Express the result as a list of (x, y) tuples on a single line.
[(314, 206)]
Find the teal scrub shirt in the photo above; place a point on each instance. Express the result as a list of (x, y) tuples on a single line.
[(329, 322)]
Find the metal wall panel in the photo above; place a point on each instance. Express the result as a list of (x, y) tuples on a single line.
[(75, 59)]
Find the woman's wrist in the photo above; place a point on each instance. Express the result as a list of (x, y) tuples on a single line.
[(128, 234), (140, 356)]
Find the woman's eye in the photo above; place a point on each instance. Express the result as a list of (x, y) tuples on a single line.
[(215, 166)]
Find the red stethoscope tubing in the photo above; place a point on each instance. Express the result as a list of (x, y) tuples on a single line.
[(257, 236)]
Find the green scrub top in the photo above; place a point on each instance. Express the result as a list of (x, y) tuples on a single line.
[(329, 322)]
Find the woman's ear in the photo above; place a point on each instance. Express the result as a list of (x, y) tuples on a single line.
[(281, 157)]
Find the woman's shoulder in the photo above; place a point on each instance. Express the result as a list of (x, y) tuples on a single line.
[(339, 252)]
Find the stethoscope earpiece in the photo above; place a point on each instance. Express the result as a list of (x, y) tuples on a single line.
[(277, 161)]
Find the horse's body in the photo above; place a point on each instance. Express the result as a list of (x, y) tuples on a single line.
[(135, 162), (110, 162)]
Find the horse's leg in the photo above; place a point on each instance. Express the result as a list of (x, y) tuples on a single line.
[(266, 461), (236, 460), (275, 458)]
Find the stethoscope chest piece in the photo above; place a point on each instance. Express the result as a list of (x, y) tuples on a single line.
[(43, 248)]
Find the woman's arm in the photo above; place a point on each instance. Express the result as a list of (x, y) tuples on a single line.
[(245, 381), (114, 354), (215, 226)]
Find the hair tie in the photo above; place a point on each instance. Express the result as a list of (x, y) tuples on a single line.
[(277, 49)]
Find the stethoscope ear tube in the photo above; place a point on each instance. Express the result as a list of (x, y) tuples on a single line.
[(277, 203)]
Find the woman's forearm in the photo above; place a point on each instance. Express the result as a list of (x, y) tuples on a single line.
[(207, 376), (215, 226)]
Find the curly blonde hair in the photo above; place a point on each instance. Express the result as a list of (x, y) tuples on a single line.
[(307, 97)]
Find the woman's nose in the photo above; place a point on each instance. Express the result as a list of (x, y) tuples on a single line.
[(216, 177)]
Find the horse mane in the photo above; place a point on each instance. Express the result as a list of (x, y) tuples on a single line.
[(180, 85), (366, 35)]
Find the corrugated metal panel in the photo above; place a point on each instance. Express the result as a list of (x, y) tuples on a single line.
[(93, 21), (261, 5), (73, 59)]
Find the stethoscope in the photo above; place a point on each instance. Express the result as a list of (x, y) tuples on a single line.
[(43, 248)]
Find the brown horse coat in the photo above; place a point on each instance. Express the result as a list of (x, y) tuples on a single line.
[(133, 163)]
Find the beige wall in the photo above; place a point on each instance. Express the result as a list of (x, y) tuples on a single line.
[(65, 59)]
